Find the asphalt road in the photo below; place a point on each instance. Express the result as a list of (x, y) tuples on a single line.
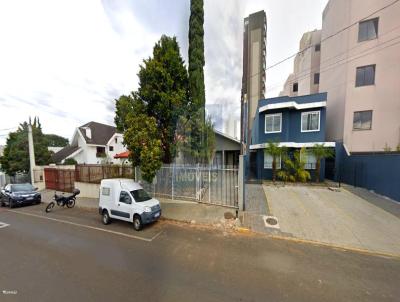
[(69, 255)]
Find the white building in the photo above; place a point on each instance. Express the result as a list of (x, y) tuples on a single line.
[(93, 143)]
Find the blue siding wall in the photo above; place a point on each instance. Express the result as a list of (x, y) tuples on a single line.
[(267, 173), (377, 172), (291, 127), (291, 121)]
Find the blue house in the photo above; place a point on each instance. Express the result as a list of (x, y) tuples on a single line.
[(294, 122)]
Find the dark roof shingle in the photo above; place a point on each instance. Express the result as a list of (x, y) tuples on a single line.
[(64, 153), (101, 133)]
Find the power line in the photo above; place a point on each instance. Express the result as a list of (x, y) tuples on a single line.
[(347, 60), (308, 70), (332, 35), (323, 40), (8, 129)]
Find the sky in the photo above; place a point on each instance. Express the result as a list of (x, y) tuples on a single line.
[(66, 61)]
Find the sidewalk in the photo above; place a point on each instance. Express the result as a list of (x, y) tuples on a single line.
[(255, 208), (185, 211)]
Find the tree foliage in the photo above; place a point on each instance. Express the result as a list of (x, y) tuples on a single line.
[(193, 147), (142, 139), (196, 57), (275, 151), (16, 152), (54, 140), (320, 152), (161, 99), (294, 169)]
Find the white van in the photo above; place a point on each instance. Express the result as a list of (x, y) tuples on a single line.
[(126, 200)]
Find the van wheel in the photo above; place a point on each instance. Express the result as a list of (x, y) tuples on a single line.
[(137, 223), (106, 218)]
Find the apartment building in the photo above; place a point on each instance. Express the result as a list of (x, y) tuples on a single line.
[(360, 71), (253, 80), (306, 69)]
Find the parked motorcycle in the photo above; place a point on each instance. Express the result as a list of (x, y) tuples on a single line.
[(62, 200)]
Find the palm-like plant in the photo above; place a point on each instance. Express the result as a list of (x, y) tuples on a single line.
[(275, 152), (294, 170), (320, 152)]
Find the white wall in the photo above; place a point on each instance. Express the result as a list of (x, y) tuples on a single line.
[(88, 190)]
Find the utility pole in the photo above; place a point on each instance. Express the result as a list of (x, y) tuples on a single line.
[(31, 153)]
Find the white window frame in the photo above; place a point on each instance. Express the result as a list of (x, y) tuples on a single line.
[(304, 156), (319, 121), (278, 162), (265, 123)]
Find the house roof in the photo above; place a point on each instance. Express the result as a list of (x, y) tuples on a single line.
[(297, 102), (101, 133), (123, 154), (226, 136), (64, 153)]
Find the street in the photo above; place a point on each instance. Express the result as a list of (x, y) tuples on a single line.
[(69, 255)]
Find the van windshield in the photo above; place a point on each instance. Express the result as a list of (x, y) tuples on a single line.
[(140, 195)]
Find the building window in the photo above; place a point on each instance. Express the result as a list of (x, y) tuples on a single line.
[(362, 120), (116, 140), (317, 47), (309, 160), (368, 30), (310, 121), (316, 78), (273, 123), (268, 162), (111, 148), (295, 87), (365, 75), (100, 152)]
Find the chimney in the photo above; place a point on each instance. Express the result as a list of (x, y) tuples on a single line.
[(88, 133)]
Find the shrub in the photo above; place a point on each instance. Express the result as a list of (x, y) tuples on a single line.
[(293, 170)]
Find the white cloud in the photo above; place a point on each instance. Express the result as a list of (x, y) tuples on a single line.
[(65, 61)]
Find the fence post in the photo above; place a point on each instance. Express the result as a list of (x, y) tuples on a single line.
[(197, 182), (241, 188), (209, 183), (172, 182)]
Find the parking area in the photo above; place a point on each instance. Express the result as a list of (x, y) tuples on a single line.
[(339, 218)]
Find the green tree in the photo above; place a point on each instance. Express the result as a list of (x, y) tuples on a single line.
[(162, 95), (196, 57), (70, 161), (142, 140), (195, 149), (54, 140), (16, 152), (320, 152), (294, 170), (275, 152)]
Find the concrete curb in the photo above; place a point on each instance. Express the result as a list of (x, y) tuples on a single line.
[(329, 245)]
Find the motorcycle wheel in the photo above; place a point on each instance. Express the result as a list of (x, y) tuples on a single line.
[(71, 203), (50, 207)]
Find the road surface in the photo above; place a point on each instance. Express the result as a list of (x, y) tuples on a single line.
[(69, 255)]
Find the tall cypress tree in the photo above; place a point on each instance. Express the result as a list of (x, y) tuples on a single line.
[(196, 57)]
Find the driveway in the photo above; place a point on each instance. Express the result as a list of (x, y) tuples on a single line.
[(339, 218)]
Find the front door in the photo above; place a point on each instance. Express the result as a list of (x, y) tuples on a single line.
[(123, 209)]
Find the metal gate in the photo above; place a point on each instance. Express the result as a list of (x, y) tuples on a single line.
[(59, 179), (206, 184)]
